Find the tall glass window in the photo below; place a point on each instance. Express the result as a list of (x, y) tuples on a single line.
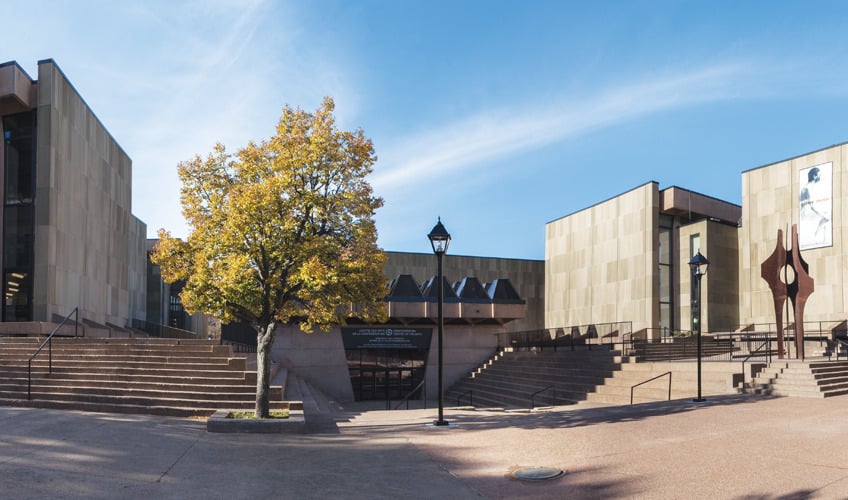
[(665, 274), (694, 299), (18, 215)]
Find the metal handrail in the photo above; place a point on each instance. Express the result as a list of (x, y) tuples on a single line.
[(533, 396), (650, 380), (405, 399), (164, 331), (49, 342), (766, 343), (596, 335), (239, 347), (840, 342), (470, 397), (625, 342)]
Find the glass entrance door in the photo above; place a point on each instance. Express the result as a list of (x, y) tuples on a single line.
[(378, 374)]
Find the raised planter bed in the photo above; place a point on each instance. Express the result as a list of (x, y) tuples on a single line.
[(220, 422)]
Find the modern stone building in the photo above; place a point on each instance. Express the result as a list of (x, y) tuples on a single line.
[(809, 190), (68, 238), (347, 368), (625, 260)]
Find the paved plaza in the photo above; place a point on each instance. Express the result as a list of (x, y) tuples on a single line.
[(729, 447)]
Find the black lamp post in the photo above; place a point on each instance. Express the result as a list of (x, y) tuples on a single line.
[(439, 239), (698, 265)]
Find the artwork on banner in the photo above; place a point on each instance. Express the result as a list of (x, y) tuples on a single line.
[(815, 224)]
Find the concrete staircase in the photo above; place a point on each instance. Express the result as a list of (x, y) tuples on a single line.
[(811, 379), (716, 378), (510, 378), (174, 377), (600, 376)]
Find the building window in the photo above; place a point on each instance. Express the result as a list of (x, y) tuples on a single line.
[(18, 215), (665, 274), (176, 311), (694, 248)]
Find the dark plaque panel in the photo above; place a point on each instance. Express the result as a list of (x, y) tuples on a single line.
[(372, 337)]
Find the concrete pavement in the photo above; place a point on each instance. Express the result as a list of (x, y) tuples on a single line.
[(729, 447)]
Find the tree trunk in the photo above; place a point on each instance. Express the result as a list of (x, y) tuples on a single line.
[(264, 341)]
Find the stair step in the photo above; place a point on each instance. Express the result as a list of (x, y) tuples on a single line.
[(153, 376)]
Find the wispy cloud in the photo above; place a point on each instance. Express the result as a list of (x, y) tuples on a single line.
[(464, 145)]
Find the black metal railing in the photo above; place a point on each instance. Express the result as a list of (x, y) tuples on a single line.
[(813, 330), (590, 336), (164, 331), (764, 350), (839, 345), (716, 346), (470, 395), (239, 347), (49, 343), (651, 380), (533, 396), (421, 386)]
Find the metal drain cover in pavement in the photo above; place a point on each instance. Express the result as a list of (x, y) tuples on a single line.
[(538, 473)]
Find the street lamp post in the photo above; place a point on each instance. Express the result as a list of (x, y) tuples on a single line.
[(698, 265), (439, 239)]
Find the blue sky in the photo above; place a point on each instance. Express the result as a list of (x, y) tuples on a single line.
[(498, 116)]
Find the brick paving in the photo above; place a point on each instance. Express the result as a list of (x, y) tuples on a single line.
[(739, 447)]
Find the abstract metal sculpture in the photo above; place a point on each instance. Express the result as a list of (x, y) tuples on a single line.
[(797, 290)]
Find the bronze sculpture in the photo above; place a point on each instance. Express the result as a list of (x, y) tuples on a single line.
[(797, 290)]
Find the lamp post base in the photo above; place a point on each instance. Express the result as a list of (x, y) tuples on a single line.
[(441, 423), (698, 400)]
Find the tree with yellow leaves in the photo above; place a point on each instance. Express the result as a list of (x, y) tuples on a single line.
[(282, 231)]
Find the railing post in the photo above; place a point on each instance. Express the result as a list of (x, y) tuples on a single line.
[(768, 348), (669, 385)]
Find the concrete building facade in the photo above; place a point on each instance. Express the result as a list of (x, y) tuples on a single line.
[(626, 258), (470, 337), (69, 238), (773, 199), (622, 260)]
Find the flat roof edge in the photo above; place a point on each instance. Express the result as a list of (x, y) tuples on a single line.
[(20, 68), (702, 194), (90, 109), (796, 156)]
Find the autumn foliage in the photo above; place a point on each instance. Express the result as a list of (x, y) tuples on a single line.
[(280, 231)]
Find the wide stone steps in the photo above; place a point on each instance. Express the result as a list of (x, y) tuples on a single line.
[(520, 391), (154, 376), (816, 379), (132, 363), (155, 357), (44, 391), (578, 382), (158, 408), (195, 378), (209, 386), (129, 371), (511, 378)]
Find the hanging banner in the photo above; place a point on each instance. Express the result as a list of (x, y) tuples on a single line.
[(815, 224), (372, 337)]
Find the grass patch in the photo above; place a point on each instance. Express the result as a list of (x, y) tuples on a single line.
[(250, 414)]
